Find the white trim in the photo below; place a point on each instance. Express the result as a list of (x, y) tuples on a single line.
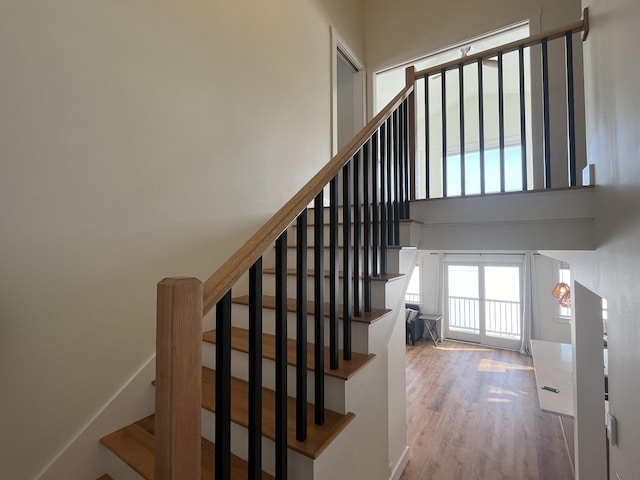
[(148, 364), (396, 473), (338, 44)]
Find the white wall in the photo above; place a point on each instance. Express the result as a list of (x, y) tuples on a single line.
[(138, 141), (547, 325), (613, 271)]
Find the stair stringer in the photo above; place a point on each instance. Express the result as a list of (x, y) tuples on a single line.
[(374, 444)]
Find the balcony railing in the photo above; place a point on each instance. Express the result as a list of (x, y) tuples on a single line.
[(502, 318)]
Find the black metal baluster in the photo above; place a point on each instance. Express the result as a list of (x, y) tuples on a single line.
[(384, 192), (397, 168), (390, 182), (366, 233), (501, 120), (223, 388), (334, 268), (255, 370), (281, 357), (523, 118), (571, 116), (402, 165), (462, 145), (545, 103), (318, 313), (443, 82), (481, 123), (427, 143), (301, 326), (357, 225), (375, 258), (407, 163), (346, 261)]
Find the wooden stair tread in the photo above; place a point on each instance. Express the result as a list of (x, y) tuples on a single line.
[(134, 445), (311, 273), (240, 342), (318, 436), (269, 301)]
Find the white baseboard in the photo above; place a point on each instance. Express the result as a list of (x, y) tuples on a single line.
[(401, 465), (83, 456)]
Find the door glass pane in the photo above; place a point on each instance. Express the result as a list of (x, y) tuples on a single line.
[(464, 298), (502, 302)]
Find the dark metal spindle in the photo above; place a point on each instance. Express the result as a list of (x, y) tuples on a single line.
[(375, 240), (403, 166), (397, 168), (384, 193), (390, 182), (545, 102), (407, 162), (318, 312), (481, 122), (255, 370), (223, 388), (523, 118), (346, 261), (501, 119), (571, 116), (366, 233), (334, 268), (443, 77), (301, 327), (462, 144), (357, 225), (281, 357)]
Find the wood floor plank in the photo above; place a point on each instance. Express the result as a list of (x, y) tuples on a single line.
[(134, 445), (318, 436), (347, 368), (473, 413), (269, 301)]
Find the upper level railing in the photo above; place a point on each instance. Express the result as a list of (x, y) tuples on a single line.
[(505, 119), (377, 173)]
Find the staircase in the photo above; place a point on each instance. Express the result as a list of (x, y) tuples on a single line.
[(134, 443), (279, 385)]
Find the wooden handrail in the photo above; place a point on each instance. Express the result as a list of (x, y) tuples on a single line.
[(575, 27), (218, 284)]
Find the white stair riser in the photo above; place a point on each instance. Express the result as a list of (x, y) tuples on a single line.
[(377, 293), (360, 331), (292, 234), (298, 465), (326, 212), (334, 387)]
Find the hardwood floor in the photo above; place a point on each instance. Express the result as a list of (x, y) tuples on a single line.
[(473, 413)]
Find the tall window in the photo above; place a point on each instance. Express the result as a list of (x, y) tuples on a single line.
[(413, 290), (564, 276), (484, 301), (513, 171)]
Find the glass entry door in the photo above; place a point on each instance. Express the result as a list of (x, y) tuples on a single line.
[(484, 304)]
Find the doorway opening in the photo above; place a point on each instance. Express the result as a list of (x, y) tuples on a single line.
[(483, 302)]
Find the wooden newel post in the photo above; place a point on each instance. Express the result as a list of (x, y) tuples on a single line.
[(178, 379), (410, 79)]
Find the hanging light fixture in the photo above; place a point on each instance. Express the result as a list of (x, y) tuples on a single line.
[(562, 291)]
